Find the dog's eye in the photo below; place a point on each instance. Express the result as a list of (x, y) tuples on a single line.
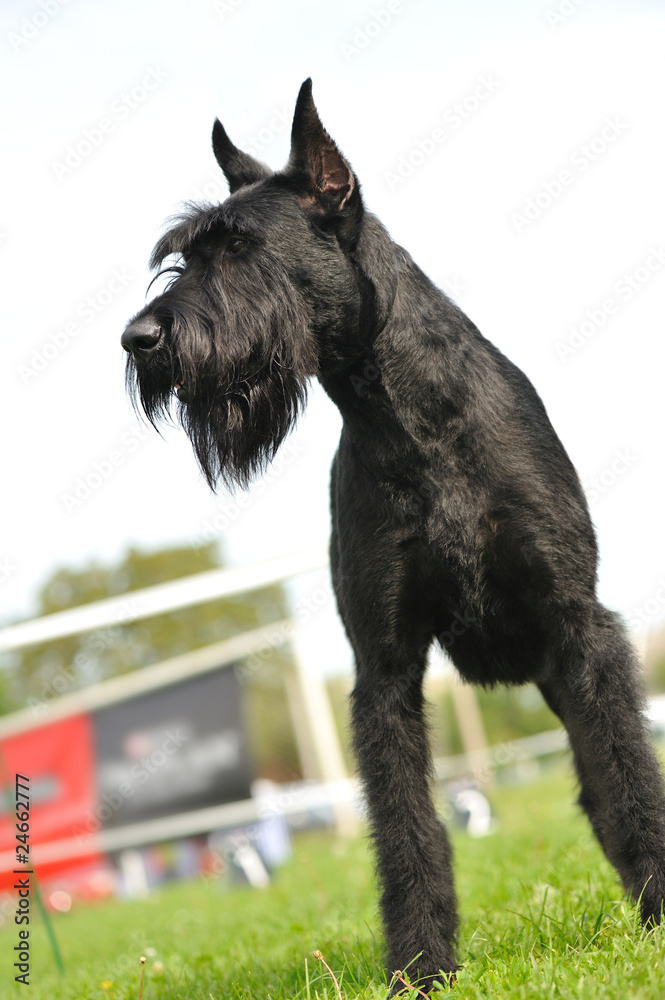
[(235, 245)]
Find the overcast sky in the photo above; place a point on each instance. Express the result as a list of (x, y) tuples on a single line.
[(516, 149)]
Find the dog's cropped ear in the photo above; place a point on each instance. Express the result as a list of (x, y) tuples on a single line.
[(327, 187), (239, 167)]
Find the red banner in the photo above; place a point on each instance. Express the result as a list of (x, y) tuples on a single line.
[(59, 762)]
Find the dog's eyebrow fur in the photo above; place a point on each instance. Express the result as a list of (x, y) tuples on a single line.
[(196, 221)]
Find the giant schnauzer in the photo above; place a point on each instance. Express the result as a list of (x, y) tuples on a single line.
[(453, 502)]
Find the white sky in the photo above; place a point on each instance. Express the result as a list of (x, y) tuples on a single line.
[(554, 89)]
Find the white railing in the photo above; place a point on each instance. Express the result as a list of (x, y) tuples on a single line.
[(135, 605)]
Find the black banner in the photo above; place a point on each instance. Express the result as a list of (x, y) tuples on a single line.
[(176, 749)]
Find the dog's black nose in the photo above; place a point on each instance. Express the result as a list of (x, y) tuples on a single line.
[(142, 338)]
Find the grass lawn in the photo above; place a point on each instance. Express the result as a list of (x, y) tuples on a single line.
[(542, 916)]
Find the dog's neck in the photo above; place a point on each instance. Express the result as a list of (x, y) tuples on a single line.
[(396, 401)]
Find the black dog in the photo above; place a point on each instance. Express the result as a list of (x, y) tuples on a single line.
[(453, 501)]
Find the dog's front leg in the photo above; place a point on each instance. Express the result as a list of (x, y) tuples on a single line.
[(384, 593), (413, 854)]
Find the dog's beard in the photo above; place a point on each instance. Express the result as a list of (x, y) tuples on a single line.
[(236, 429), (237, 409)]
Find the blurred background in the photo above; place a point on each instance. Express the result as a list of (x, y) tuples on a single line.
[(516, 150)]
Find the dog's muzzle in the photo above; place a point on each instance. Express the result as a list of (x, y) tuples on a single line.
[(142, 338)]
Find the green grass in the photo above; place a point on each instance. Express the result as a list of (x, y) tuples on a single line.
[(542, 917)]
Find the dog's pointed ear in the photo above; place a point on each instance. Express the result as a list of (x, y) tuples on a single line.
[(328, 188), (239, 167)]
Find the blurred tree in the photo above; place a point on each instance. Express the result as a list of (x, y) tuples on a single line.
[(508, 714), (512, 712), (37, 674)]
